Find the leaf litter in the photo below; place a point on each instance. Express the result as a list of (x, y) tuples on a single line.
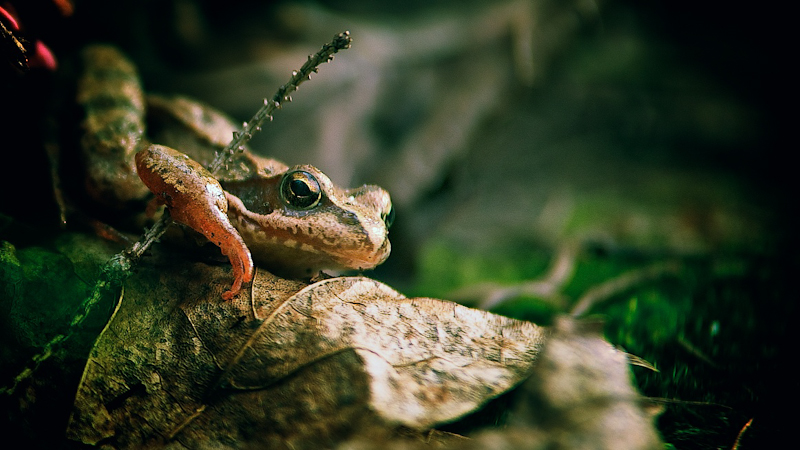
[(289, 365)]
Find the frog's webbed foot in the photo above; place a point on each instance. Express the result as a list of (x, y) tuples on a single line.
[(237, 252), (196, 199)]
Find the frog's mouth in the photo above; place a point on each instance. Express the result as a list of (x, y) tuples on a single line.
[(293, 258), (304, 245)]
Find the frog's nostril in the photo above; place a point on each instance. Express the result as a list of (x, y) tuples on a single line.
[(388, 218)]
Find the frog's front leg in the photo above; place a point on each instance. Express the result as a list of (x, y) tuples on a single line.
[(195, 198)]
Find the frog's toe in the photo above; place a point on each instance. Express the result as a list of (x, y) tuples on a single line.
[(234, 291)]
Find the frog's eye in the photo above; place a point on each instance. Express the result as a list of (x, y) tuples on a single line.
[(300, 189)]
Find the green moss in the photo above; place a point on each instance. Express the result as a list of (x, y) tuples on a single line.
[(41, 293)]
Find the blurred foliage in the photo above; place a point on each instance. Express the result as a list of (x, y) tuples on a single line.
[(716, 332)]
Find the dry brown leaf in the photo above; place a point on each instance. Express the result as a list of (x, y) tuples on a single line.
[(578, 397), (294, 366)]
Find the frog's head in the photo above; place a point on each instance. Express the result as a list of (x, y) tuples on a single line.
[(298, 222)]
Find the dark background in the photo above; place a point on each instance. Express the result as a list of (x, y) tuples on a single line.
[(653, 129)]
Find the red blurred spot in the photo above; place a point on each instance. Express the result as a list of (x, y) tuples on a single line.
[(65, 6), (42, 57), (8, 17)]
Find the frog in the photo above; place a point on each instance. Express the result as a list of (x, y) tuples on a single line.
[(292, 220)]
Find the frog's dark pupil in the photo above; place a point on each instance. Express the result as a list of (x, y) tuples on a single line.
[(300, 188)]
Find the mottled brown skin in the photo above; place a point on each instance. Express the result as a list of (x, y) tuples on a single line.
[(110, 94), (344, 229), (196, 199), (255, 216)]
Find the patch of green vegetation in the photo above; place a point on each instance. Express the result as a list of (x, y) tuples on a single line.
[(713, 330), (444, 267), (43, 287), (41, 291)]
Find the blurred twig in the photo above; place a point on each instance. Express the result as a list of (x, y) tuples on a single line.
[(622, 283), (489, 295)]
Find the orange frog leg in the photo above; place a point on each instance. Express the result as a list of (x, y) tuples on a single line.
[(196, 199)]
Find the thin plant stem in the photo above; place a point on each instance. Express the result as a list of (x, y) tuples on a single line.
[(340, 42)]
